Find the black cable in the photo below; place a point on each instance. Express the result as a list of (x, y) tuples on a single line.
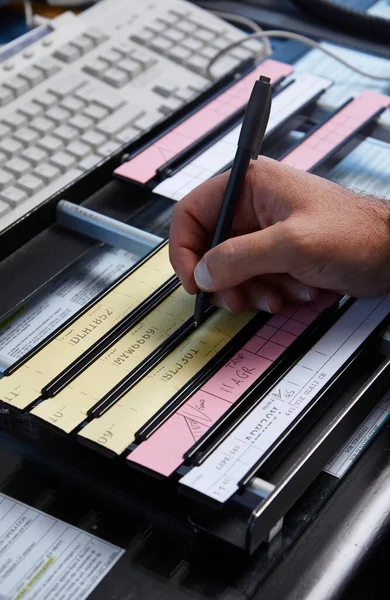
[(344, 16)]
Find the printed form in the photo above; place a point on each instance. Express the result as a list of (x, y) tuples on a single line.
[(43, 558)]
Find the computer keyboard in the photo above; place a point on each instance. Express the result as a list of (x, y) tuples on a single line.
[(77, 91)]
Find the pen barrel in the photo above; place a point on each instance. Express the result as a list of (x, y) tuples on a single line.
[(232, 195)]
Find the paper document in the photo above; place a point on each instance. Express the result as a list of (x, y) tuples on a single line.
[(43, 558), (60, 299), (347, 82), (351, 450), (365, 169)]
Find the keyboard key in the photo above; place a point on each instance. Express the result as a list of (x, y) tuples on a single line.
[(47, 172), (95, 112), (50, 144), (180, 12), (122, 117), (108, 148), (157, 26), (209, 52), (78, 149), (170, 105), (13, 196), (165, 88), (220, 43), (5, 178), (30, 109), (17, 85), (186, 26), (161, 44), (96, 36), (83, 43), (100, 95), (58, 114), (241, 53), (192, 44), (127, 135), (48, 66), (185, 94), (143, 37), (6, 96), (116, 77), (30, 183), (125, 49), (4, 130), (72, 103), (26, 136), (198, 63), (143, 57), (96, 67), (90, 162), (46, 99), (66, 133), (33, 76), (179, 54), (174, 35), (3, 158), (93, 138), (15, 120), (204, 34), (225, 65), (10, 147), (131, 67), (4, 208), (63, 160), (146, 121), (81, 122), (42, 125), (68, 53), (111, 56), (34, 155), (18, 166), (67, 85)]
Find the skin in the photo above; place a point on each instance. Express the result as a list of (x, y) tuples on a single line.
[(293, 234)]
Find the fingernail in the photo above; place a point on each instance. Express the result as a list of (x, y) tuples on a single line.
[(202, 276), (262, 304), (304, 295), (221, 303)]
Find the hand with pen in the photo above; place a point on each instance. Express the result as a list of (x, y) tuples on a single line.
[(293, 233)]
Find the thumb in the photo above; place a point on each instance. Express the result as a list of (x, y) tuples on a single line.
[(241, 258)]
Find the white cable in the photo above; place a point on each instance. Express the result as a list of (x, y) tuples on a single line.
[(292, 36), (28, 13), (245, 22)]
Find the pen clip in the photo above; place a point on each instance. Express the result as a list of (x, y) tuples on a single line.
[(258, 142)]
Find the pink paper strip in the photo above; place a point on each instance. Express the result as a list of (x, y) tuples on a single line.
[(326, 139), (163, 451), (144, 165)]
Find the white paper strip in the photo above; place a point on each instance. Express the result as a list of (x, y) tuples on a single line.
[(222, 153), (218, 477)]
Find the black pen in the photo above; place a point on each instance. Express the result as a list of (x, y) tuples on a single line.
[(249, 144)]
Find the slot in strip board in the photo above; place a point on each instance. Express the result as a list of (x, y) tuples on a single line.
[(220, 475), (115, 430), (144, 165), (163, 451), (69, 408), (335, 132), (221, 154), (25, 384)]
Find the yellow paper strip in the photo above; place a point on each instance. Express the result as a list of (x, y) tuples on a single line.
[(69, 408), (25, 385), (116, 428)]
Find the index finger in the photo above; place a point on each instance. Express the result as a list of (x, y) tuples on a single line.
[(194, 220)]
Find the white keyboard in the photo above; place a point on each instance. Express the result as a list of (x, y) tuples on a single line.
[(77, 91)]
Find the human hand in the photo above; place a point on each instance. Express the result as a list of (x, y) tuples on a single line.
[(293, 233)]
